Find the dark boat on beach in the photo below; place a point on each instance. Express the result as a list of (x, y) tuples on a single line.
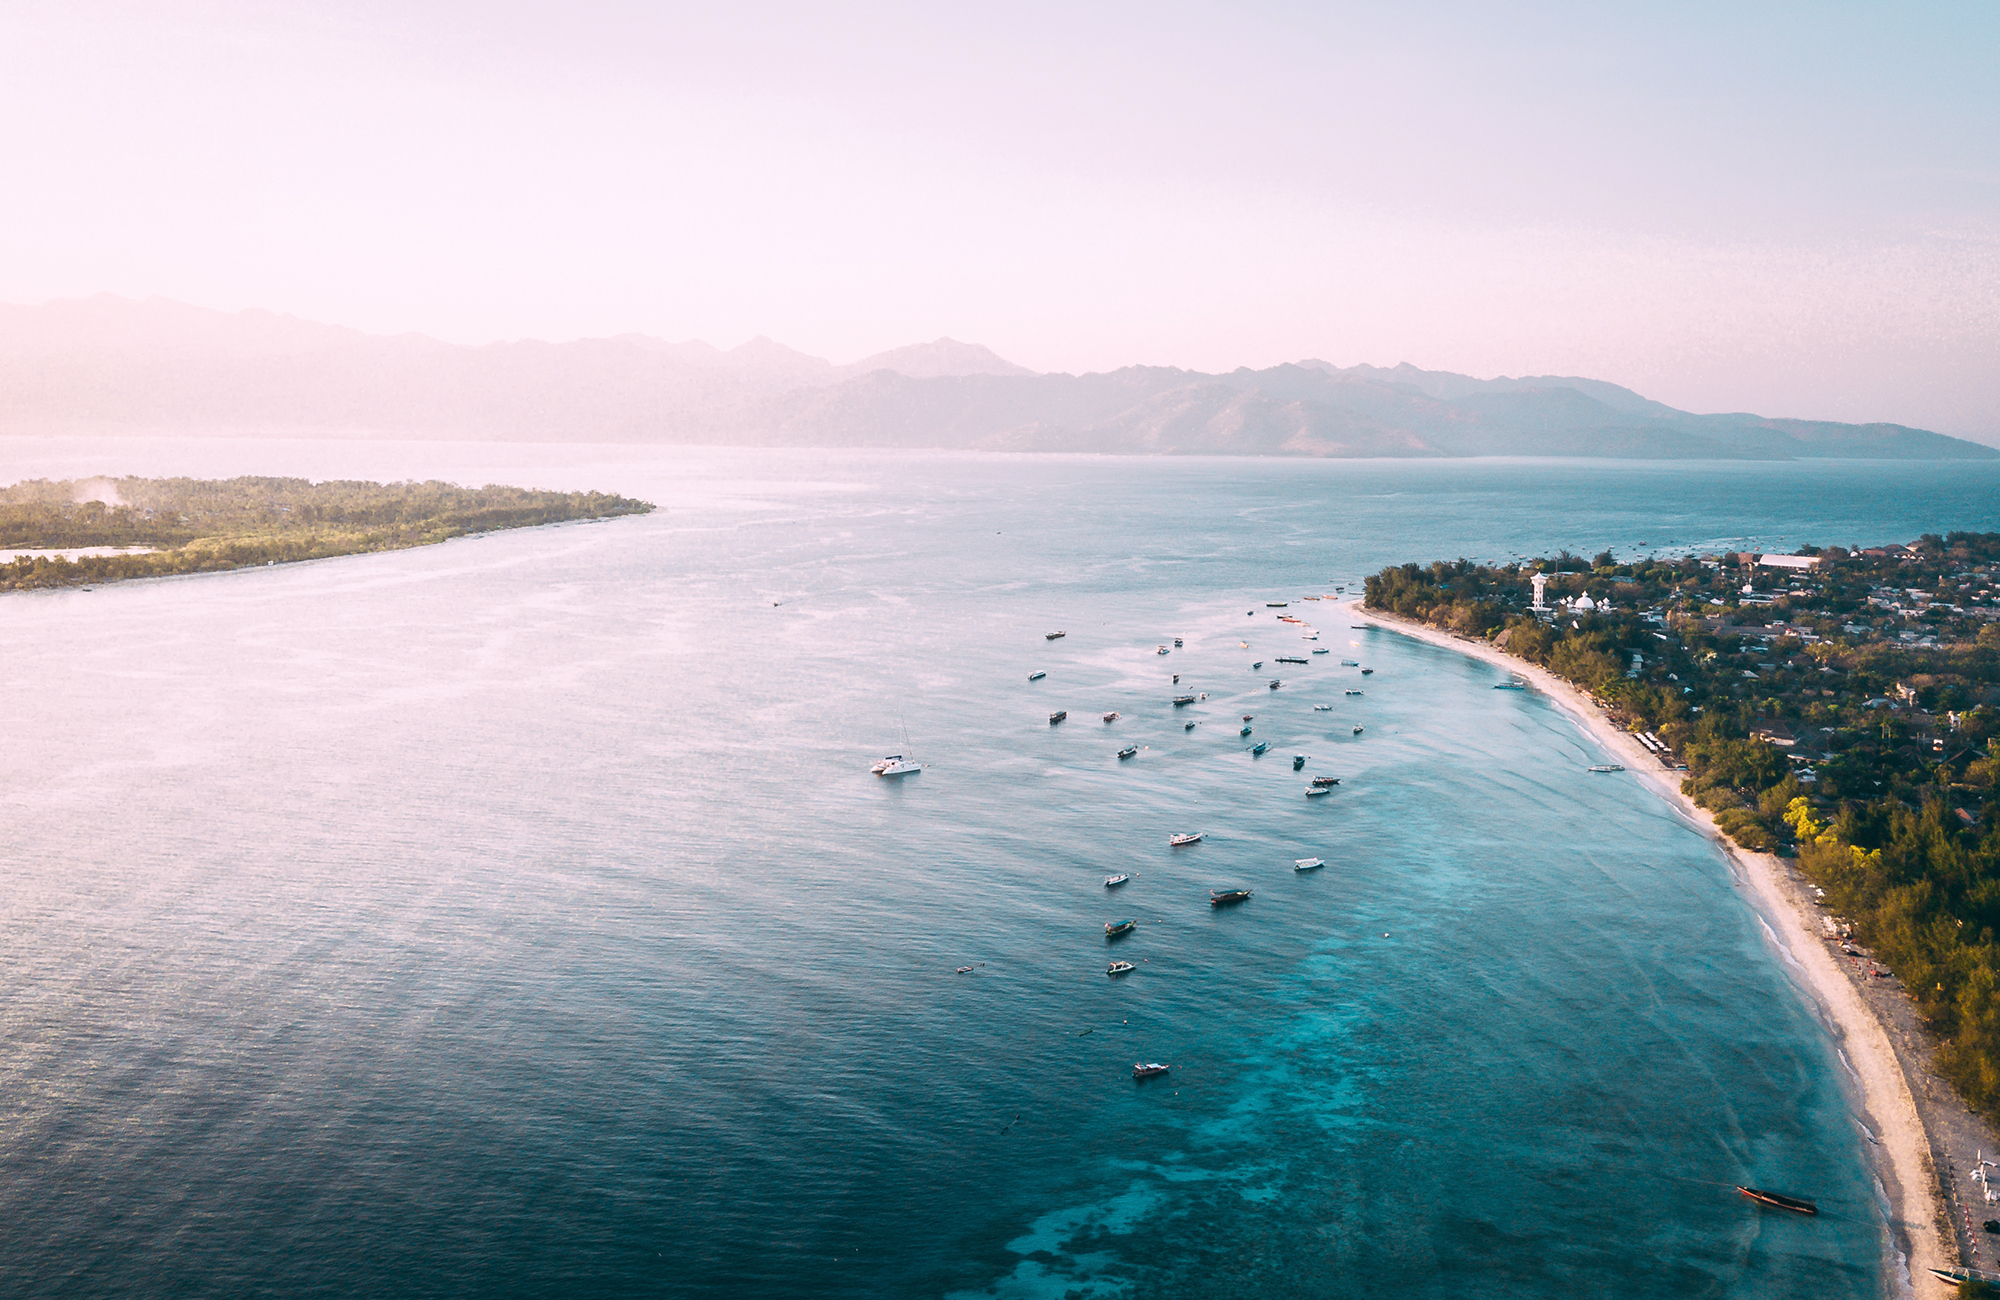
[(1778, 1200)]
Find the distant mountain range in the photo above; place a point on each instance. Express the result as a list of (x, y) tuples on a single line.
[(108, 364)]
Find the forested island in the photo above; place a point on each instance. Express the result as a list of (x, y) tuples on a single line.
[(183, 525), (1838, 707)]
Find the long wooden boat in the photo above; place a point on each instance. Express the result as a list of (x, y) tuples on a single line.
[(1778, 1200), (1223, 897)]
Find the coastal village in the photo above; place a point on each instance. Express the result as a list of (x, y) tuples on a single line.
[(1839, 709)]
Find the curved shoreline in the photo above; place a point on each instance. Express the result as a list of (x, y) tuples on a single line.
[(1919, 1222)]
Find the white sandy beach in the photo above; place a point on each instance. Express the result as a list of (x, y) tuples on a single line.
[(1884, 1098)]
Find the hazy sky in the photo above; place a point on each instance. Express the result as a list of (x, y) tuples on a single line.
[(1794, 210)]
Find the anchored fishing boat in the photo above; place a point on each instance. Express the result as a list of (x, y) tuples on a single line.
[(1224, 897), (1052, 636), (1779, 1200), (1276, 683), (1180, 700), (1327, 781), (1307, 864), (1111, 716), (1260, 747), (1147, 1069), (1035, 677), (1175, 841), (1315, 791), (1120, 968), (1128, 751), (1298, 761), (1058, 716), (1112, 929)]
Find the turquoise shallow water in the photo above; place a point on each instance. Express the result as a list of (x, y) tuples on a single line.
[(517, 916)]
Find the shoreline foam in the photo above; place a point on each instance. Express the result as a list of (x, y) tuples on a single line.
[(1919, 1222)]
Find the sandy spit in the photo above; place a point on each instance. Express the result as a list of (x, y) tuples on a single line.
[(1917, 1214)]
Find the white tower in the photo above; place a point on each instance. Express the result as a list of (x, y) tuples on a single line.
[(1541, 581)]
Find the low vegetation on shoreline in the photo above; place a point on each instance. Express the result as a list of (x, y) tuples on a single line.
[(1838, 707), (204, 525)]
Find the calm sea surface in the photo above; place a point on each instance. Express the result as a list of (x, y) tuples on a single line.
[(518, 916)]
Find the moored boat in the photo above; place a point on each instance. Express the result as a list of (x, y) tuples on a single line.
[(1187, 726), (1051, 636), (1307, 864), (1293, 659), (1779, 1200), (1175, 841), (1147, 1069), (1326, 780), (1276, 604), (1112, 716), (1258, 664), (1177, 643), (1367, 672), (1350, 663), (1322, 651), (1322, 708), (1180, 700), (896, 765), (1120, 968), (1244, 732), (1275, 683), (1224, 897), (1128, 751), (1035, 677), (1160, 649), (1357, 731), (1112, 929), (1298, 761), (1315, 791), (1607, 767), (1119, 879), (1058, 716), (1350, 692), (1260, 747)]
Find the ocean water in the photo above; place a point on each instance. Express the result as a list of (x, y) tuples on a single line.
[(518, 916)]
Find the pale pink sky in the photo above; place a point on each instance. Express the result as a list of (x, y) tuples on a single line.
[(1793, 210)]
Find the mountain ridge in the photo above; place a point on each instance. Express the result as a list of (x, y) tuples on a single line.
[(111, 364)]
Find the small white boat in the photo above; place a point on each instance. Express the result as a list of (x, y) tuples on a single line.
[(1120, 968), (1111, 716), (1118, 879), (1350, 663), (1322, 708), (1351, 692), (1322, 650), (1147, 1069), (1315, 791), (896, 765), (1035, 677), (1608, 767), (1177, 840), (1128, 751), (1307, 864)]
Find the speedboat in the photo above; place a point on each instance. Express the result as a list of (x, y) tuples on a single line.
[(1607, 767), (1035, 677), (1298, 761), (1175, 841), (1315, 791), (1120, 968), (1307, 864), (1224, 897), (1128, 751), (1260, 747), (896, 765), (1112, 929), (1147, 1069), (1111, 716), (1051, 636), (1118, 879), (1058, 716)]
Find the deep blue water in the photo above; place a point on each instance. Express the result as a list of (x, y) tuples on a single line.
[(518, 916)]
